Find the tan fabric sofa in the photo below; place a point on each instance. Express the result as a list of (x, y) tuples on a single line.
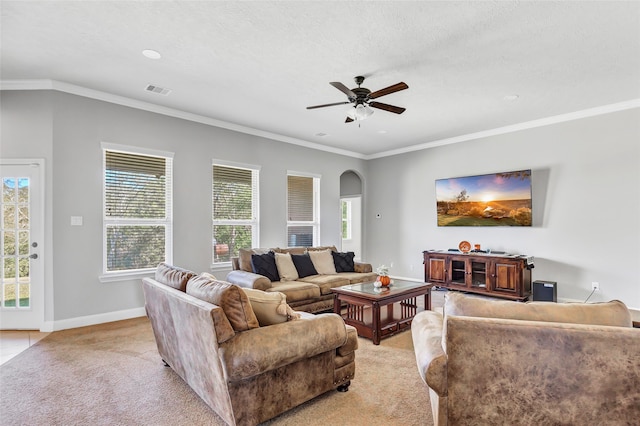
[(489, 362), (245, 372), (311, 293)]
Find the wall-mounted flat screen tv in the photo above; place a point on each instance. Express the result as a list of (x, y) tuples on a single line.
[(497, 199)]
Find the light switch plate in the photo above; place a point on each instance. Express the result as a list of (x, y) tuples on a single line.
[(76, 220)]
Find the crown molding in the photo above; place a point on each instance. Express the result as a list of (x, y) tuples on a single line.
[(601, 110), (147, 106)]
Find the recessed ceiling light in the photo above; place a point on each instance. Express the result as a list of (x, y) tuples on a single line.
[(151, 54), (511, 97)]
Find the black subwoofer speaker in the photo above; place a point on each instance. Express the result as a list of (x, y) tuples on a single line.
[(545, 291)]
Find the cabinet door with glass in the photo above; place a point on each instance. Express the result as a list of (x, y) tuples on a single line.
[(469, 273)]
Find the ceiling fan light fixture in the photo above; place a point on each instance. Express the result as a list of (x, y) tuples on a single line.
[(361, 112)]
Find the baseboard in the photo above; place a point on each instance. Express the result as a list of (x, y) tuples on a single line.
[(93, 319)]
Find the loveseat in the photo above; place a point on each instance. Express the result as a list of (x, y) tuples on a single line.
[(305, 275), (489, 362), (246, 370)]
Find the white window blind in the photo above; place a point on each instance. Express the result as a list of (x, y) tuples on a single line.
[(137, 211), (302, 210), (235, 211)]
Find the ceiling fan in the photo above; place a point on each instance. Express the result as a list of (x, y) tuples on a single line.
[(361, 97)]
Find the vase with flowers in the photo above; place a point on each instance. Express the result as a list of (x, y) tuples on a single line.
[(383, 275)]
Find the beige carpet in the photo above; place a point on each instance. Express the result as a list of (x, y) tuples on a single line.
[(111, 374)]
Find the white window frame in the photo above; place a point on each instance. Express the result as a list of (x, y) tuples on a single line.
[(255, 202), (347, 219), (315, 223), (109, 276)]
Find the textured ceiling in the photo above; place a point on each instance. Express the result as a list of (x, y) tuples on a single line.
[(259, 64)]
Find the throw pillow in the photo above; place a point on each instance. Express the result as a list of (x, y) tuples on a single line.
[(323, 262), (230, 297), (173, 276), (244, 260), (265, 264), (343, 261), (286, 268), (270, 307), (304, 265)]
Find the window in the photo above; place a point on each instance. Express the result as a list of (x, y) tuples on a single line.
[(346, 219), (137, 209), (302, 210), (235, 210)]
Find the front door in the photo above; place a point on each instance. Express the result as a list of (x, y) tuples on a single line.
[(21, 239)]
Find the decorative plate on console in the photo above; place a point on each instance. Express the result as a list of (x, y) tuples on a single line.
[(464, 246)]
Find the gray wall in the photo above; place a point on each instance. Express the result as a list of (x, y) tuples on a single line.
[(586, 204), (67, 131), (586, 196)]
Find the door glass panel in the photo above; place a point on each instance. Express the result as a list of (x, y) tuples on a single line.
[(15, 233), (8, 190), (23, 217)]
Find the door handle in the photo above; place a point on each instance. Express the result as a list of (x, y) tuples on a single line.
[(33, 256)]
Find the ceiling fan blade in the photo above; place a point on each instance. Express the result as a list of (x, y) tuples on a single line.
[(328, 105), (386, 107), (344, 89), (348, 120), (388, 90)]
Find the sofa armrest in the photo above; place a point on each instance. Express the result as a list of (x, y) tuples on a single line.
[(427, 331), (249, 280), (362, 267), (281, 344)]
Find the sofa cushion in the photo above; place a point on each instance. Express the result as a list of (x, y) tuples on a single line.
[(270, 307), (303, 265), (286, 268), (291, 250), (173, 276), (613, 313), (326, 282), (322, 248), (358, 277), (265, 264), (343, 261), (323, 262), (296, 290), (233, 301)]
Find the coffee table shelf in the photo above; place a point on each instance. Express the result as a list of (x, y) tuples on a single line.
[(380, 312)]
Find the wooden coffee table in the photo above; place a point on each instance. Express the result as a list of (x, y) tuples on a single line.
[(364, 307)]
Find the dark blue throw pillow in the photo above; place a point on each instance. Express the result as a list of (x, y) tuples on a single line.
[(303, 265), (343, 261), (265, 264)]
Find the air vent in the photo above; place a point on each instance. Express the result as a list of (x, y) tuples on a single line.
[(157, 89)]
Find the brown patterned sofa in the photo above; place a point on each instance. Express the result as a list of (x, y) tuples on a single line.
[(246, 371), (309, 293), (489, 362)]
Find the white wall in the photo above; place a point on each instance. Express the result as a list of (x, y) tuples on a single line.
[(67, 130), (586, 204)]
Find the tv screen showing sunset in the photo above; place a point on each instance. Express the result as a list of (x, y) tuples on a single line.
[(497, 199)]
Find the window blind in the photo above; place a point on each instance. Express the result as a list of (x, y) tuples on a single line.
[(300, 198), (302, 226), (234, 211)]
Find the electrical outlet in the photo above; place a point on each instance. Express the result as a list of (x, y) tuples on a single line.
[(595, 286)]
